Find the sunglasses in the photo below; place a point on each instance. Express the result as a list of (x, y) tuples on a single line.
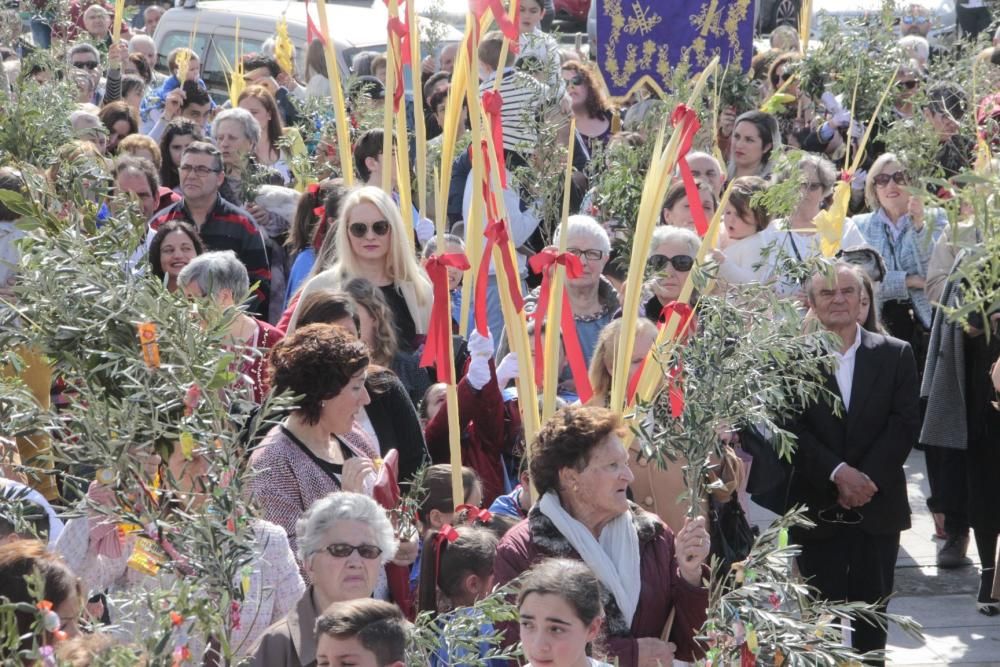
[(576, 80), (590, 254), (359, 230), (908, 85), (837, 514), (88, 64), (682, 263), (366, 551), (919, 20), (900, 177)]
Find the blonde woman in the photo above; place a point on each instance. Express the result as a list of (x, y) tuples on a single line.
[(655, 489), (370, 242)]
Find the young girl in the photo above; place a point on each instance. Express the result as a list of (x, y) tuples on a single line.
[(677, 210), (561, 614), (739, 258), (458, 564)]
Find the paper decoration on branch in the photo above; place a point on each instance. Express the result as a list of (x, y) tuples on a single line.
[(640, 41), (150, 348), (284, 52)]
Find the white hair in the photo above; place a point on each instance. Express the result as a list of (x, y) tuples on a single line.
[(215, 271), (916, 47), (586, 227), (668, 234), (251, 128), (141, 39), (312, 527)]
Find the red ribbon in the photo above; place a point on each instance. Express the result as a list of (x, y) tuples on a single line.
[(474, 513), (545, 263), (493, 106), (496, 235), (506, 23), (687, 119), (313, 189), (322, 228), (675, 385), (401, 30), (312, 32), (442, 538), (436, 351)]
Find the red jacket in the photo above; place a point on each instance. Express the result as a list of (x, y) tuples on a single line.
[(663, 588), (482, 418)]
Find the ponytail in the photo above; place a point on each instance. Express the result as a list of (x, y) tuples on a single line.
[(448, 557)]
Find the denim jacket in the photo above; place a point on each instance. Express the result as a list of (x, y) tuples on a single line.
[(907, 255)]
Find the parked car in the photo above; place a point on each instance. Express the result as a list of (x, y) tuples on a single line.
[(353, 27), (772, 13), (573, 11), (942, 11)]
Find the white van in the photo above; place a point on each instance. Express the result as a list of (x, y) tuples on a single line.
[(354, 27)]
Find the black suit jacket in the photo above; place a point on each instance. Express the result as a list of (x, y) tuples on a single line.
[(875, 436)]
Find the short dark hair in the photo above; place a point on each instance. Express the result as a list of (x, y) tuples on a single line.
[(132, 82), (566, 440), (949, 98), (177, 127), (161, 233), (432, 81), (113, 112), (141, 66), (140, 165), (490, 48), (380, 627), (436, 488), (204, 148), (195, 93), (316, 362), (436, 99), (326, 306), (12, 181), (569, 579), (369, 145), (254, 61)]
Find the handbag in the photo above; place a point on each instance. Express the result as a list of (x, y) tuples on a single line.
[(730, 532)]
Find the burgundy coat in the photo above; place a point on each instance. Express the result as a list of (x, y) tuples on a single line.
[(663, 588)]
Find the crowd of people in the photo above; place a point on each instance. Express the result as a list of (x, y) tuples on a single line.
[(245, 208)]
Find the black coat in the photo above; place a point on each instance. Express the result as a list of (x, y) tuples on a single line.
[(396, 423), (875, 436)]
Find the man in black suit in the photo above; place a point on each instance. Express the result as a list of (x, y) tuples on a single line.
[(848, 468)]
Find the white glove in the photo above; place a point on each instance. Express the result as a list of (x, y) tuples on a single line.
[(841, 118), (480, 349), (857, 130), (858, 180), (424, 228), (507, 369), (831, 103)]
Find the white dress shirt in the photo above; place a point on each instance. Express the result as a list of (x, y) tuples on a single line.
[(845, 378)]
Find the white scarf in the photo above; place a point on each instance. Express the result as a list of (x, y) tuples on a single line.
[(614, 558)]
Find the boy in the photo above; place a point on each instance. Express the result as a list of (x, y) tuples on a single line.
[(362, 633)]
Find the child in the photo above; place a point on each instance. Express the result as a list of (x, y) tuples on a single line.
[(741, 243), (366, 632), (534, 43), (453, 244), (462, 571), (677, 211), (560, 614)]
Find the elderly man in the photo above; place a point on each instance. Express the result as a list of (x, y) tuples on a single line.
[(144, 44), (86, 58), (848, 468), (222, 225)]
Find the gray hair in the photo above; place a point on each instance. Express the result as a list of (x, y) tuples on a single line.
[(668, 234), (215, 271), (834, 267), (916, 47), (826, 173), (312, 527), (587, 227), (249, 124), (83, 47), (430, 246), (141, 39)]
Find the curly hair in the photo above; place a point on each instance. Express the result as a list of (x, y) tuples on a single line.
[(566, 440), (597, 104), (385, 343), (316, 362)]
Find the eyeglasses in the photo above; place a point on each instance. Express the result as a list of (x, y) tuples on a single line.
[(908, 85), (838, 514), (200, 170), (919, 20), (366, 551), (359, 230), (576, 80), (682, 263), (590, 254), (813, 186), (87, 64), (882, 180)]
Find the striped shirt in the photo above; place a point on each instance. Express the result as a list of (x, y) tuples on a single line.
[(523, 97)]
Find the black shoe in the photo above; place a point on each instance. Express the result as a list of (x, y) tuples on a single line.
[(986, 604), (951, 555)]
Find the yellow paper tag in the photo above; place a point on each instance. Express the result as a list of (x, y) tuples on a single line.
[(187, 445), (147, 556)]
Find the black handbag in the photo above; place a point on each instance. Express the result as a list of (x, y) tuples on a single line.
[(769, 475), (730, 531)]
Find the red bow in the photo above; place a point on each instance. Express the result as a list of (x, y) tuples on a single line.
[(687, 119), (313, 189), (675, 386), (439, 332), (312, 32), (401, 30), (446, 535), (320, 212), (506, 23), (545, 263), (474, 513), (493, 106), (321, 231), (496, 235)]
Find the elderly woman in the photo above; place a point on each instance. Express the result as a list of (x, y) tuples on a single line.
[(580, 469), (795, 237), (755, 140), (344, 541), (903, 232), (237, 134), (671, 259), (315, 450), (222, 278)]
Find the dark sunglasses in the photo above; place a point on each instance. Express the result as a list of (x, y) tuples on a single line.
[(900, 177), (682, 263), (89, 64), (908, 85), (359, 229), (919, 20), (838, 514), (576, 80), (366, 551)]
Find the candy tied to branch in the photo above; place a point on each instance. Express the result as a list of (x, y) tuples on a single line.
[(149, 345)]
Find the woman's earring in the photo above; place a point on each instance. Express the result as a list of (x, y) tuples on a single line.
[(322, 404)]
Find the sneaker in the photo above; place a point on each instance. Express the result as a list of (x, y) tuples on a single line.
[(986, 604), (951, 555)]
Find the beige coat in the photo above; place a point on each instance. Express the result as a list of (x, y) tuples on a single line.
[(946, 249)]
